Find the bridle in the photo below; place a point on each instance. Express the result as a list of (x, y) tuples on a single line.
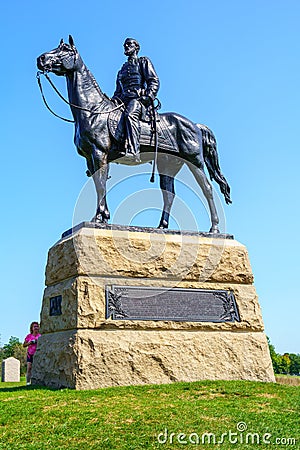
[(38, 76)]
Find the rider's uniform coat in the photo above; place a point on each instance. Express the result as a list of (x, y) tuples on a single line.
[(137, 78)]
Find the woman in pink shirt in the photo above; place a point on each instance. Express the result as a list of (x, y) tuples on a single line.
[(31, 343)]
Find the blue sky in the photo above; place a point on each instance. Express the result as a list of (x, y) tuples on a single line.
[(232, 65)]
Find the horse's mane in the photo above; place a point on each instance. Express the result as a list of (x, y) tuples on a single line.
[(96, 85), (94, 82)]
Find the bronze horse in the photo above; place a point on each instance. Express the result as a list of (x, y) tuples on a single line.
[(193, 144)]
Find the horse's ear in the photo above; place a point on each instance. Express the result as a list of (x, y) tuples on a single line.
[(71, 41), (61, 41)]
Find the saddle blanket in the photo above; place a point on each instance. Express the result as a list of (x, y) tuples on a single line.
[(147, 137)]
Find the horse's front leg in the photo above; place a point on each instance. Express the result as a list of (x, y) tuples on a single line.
[(99, 166)]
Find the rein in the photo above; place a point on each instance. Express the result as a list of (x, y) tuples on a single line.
[(38, 76), (45, 101)]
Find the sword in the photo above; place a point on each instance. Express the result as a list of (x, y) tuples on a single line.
[(155, 142)]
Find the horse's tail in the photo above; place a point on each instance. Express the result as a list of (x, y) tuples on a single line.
[(211, 159)]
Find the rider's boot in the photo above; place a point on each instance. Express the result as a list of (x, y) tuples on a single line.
[(132, 153), (134, 156)]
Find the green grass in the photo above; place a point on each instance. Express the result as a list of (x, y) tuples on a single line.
[(133, 417)]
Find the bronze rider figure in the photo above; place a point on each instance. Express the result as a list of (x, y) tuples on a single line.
[(137, 85)]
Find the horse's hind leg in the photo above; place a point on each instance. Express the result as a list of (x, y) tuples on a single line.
[(207, 190), (168, 167), (168, 193)]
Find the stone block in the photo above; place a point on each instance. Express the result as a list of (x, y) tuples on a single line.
[(91, 359), (148, 255)]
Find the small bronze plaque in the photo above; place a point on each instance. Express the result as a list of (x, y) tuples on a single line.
[(55, 305), (183, 305)]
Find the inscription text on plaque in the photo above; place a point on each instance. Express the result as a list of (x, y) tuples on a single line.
[(184, 305)]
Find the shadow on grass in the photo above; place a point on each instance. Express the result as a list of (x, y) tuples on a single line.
[(26, 388)]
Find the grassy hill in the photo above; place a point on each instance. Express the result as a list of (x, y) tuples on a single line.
[(206, 414)]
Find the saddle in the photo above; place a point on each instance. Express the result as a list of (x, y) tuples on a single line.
[(166, 141)]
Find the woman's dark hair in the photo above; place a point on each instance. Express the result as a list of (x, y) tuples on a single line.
[(31, 326)]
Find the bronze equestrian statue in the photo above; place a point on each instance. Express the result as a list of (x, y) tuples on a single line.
[(99, 131)]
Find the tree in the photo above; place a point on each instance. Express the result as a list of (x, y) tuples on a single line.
[(288, 363), (8, 349), (285, 364), (295, 364), (275, 357)]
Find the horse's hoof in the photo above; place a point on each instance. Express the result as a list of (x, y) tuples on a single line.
[(214, 229), (97, 219), (163, 225)]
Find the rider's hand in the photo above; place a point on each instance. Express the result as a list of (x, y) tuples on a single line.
[(146, 100), (116, 100)]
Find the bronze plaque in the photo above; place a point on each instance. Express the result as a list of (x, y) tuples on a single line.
[(182, 305), (55, 305)]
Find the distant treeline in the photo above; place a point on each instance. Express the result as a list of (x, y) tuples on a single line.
[(288, 363)]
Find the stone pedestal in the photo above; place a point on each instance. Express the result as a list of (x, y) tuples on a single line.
[(83, 347)]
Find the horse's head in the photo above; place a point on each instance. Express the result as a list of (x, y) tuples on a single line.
[(59, 60)]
